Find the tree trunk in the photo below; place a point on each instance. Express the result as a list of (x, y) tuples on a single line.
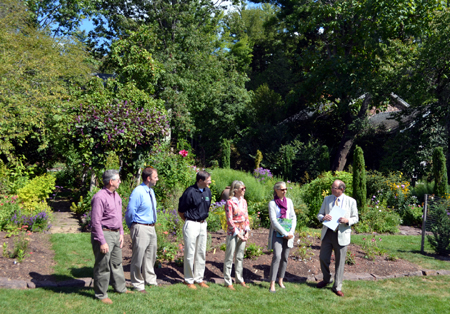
[(92, 182), (340, 159), (138, 177), (349, 136)]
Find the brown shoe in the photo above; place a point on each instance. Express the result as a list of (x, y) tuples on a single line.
[(231, 287), (190, 285), (106, 300), (322, 284), (339, 293), (244, 285), (143, 291), (203, 285), (128, 292)]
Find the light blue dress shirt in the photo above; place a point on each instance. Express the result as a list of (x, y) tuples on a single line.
[(142, 206)]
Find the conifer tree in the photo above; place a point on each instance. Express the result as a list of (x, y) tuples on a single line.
[(359, 178)]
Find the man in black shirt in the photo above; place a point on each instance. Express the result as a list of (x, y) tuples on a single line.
[(193, 208)]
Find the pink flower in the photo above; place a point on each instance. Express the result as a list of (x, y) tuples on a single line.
[(373, 239), (380, 239), (165, 232), (183, 153)]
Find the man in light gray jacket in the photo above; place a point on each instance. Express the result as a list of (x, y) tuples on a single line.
[(338, 240)]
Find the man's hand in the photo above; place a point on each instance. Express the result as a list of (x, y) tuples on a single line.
[(182, 216), (104, 248), (327, 217), (121, 240), (343, 220)]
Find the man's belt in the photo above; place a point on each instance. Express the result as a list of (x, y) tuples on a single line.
[(197, 220), (138, 223), (112, 230)]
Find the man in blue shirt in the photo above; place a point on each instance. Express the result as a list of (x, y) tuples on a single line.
[(141, 218)]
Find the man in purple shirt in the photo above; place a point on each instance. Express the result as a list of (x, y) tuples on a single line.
[(107, 237)]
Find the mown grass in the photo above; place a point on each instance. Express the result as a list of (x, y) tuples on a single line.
[(403, 295), (74, 258), (408, 248)]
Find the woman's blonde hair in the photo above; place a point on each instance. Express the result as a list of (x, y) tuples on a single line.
[(277, 187), (234, 187)]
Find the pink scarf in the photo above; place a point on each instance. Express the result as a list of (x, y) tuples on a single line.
[(282, 204)]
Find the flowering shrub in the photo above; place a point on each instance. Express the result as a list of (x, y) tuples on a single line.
[(183, 153), (35, 223), (378, 218), (371, 249), (262, 174), (121, 127)]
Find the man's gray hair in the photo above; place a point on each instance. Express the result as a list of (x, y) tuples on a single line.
[(109, 175)]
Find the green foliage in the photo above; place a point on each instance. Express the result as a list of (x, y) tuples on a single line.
[(252, 251), (286, 161), (256, 191), (258, 158), (350, 258), (37, 73), (34, 194), (175, 173), (421, 189), (378, 218), (440, 172), (8, 206), (299, 161), (440, 240), (359, 179), (226, 152), (314, 192)]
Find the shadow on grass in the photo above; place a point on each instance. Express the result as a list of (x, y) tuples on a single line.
[(82, 272)]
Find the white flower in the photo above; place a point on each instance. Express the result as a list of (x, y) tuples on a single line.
[(380, 210)]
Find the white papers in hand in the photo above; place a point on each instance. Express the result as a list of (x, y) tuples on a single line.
[(336, 213)]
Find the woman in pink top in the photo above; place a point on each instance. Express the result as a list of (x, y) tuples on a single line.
[(237, 233)]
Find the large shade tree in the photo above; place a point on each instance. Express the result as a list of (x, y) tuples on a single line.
[(37, 74), (347, 55)]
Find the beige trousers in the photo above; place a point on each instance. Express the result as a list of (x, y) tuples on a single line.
[(195, 236), (235, 250), (144, 244)]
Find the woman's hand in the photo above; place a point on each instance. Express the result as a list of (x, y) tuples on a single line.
[(289, 236)]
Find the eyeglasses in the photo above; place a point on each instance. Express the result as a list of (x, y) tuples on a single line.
[(335, 188), (243, 189), (282, 190)]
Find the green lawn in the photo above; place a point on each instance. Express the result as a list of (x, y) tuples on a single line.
[(403, 295), (74, 258), (408, 248)]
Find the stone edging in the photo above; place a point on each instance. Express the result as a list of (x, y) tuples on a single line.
[(6, 283)]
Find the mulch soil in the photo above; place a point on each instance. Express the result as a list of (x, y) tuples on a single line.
[(38, 264)]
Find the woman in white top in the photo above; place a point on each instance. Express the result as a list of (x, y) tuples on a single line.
[(280, 240)]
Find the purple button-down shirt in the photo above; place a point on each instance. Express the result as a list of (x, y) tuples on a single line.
[(106, 213)]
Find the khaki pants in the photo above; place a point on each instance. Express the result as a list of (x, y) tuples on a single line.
[(235, 250), (108, 266), (144, 243), (330, 243), (195, 235)]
